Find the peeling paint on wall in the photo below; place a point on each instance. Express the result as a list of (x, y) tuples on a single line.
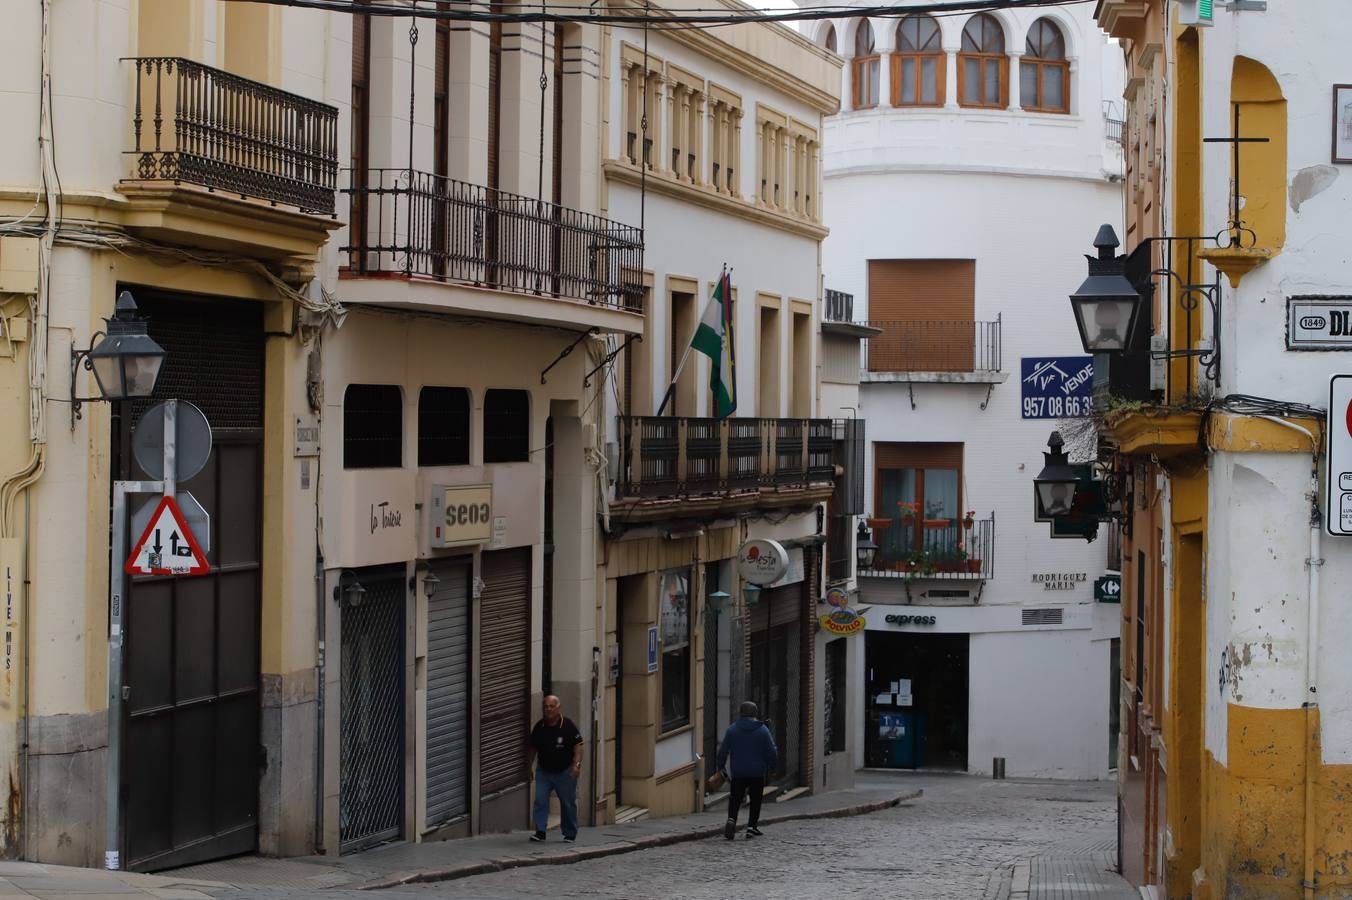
[(1310, 182)]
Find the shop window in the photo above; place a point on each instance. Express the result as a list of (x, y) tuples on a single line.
[(919, 489), (443, 426), (833, 724), (506, 426), (373, 426), (674, 629)]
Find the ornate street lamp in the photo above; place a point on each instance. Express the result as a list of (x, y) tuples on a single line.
[(126, 361), (717, 601), (1054, 487), (864, 549), (1106, 305), (751, 594)]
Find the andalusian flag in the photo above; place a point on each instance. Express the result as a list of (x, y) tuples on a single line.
[(713, 338)]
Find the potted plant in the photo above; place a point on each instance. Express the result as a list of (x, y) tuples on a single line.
[(968, 519), (907, 511), (952, 560), (877, 523), (918, 562)]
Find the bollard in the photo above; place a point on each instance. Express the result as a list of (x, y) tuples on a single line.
[(998, 768)]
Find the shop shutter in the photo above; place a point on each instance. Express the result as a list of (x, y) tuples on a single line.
[(917, 456), (926, 308), (785, 604), (494, 97), (448, 681), (504, 669)]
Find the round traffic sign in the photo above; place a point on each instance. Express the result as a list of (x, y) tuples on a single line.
[(192, 441)]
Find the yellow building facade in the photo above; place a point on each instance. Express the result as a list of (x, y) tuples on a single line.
[(1233, 744)]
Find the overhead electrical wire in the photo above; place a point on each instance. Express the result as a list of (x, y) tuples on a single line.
[(698, 16)]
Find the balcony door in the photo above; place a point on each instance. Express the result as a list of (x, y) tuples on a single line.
[(919, 487)]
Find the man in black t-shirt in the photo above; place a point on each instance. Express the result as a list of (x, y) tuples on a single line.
[(555, 747)]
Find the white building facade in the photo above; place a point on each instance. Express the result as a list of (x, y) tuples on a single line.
[(969, 153)]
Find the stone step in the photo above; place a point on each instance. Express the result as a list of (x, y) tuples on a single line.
[(791, 794), (629, 814)]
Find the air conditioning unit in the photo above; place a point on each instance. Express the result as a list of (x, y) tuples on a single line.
[(1196, 12)]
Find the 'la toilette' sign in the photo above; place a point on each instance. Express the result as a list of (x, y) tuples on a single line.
[(374, 519)]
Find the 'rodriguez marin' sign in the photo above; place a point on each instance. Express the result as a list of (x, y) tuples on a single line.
[(1059, 581)]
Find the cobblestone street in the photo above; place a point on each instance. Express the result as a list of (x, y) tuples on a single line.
[(965, 839)]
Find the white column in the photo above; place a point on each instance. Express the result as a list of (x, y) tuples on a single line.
[(887, 47), (951, 78), (1015, 84)]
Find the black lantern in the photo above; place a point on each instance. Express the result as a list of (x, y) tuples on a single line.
[(126, 361), (864, 549), (1054, 487), (1106, 305)]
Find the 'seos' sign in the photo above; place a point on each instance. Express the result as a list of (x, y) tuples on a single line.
[(461, 515)]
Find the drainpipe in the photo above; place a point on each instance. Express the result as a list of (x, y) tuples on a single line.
[(1311, 704)]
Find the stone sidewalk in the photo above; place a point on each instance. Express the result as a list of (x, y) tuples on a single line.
[(407, 863), (403, 863)]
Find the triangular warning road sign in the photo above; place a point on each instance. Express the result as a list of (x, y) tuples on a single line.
[(167, 547)]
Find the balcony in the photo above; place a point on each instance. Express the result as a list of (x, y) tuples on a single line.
[(421, 228), (692, 467), (935, 351), (936, 549), (839, 318), (221, 161)]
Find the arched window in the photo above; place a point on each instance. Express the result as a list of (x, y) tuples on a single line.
[(918, 68), (865, 67), (1044, 73), (830, 40), (983, 68)]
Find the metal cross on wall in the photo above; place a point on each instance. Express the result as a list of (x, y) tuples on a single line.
[(1236, 227)]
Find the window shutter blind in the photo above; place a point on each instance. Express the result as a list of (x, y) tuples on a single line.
[(926, 308)]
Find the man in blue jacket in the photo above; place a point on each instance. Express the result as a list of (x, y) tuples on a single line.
[(754, 756)]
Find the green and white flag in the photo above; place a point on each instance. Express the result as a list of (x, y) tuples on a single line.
[(713, 338)]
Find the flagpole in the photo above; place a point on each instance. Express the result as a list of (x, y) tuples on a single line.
[(690, 345)]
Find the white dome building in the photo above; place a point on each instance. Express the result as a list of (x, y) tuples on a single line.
[(970, 166)]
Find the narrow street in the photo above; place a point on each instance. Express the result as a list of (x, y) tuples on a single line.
[(962, 840)]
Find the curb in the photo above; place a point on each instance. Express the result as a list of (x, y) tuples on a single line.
[(503, 863)]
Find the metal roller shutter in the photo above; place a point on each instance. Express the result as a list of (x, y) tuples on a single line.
[(926, 309), (448, 679), (504, 669)]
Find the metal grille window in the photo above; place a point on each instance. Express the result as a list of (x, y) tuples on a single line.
[(371, 798), (373, 426), (506, 426), (674, 616), (443, 426), (833, 705)]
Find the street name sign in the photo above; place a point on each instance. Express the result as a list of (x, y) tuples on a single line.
[(167, 547), (1319, 323)]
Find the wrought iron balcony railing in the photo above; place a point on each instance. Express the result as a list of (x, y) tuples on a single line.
[(670, 457), (415, 223), (193, 124), (839, 306), (935, 548), (935, 346)]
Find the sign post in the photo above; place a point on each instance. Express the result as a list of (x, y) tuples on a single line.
[(1108, 589), (172, 468)]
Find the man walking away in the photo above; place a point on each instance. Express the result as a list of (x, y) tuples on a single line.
[(556, 750), (754, 756)]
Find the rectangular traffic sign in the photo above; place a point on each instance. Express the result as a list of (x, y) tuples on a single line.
[(1338, 457)]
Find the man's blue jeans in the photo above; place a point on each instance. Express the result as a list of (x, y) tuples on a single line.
[(565, 786)]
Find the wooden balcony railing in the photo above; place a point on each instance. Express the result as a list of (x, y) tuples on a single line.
[(935, 346), (935, 548), (672, 457), (193, 124), (417, 223)]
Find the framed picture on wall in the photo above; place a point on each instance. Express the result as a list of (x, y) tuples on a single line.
[(1342, 123)]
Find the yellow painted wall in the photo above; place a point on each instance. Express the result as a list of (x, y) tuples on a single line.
[(1262, 166), (1186, 149)]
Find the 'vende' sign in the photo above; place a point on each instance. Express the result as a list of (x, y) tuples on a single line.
[(167, 547)]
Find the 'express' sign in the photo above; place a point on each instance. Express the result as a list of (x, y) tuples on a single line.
[(896, 619)]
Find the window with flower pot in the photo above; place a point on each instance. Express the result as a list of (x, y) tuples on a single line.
[(918, 486)]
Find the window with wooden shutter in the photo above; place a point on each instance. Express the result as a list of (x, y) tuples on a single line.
[(919, 66), (494, 96), (1044, 71), (919, 487), (864, 67), (926, 309)]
